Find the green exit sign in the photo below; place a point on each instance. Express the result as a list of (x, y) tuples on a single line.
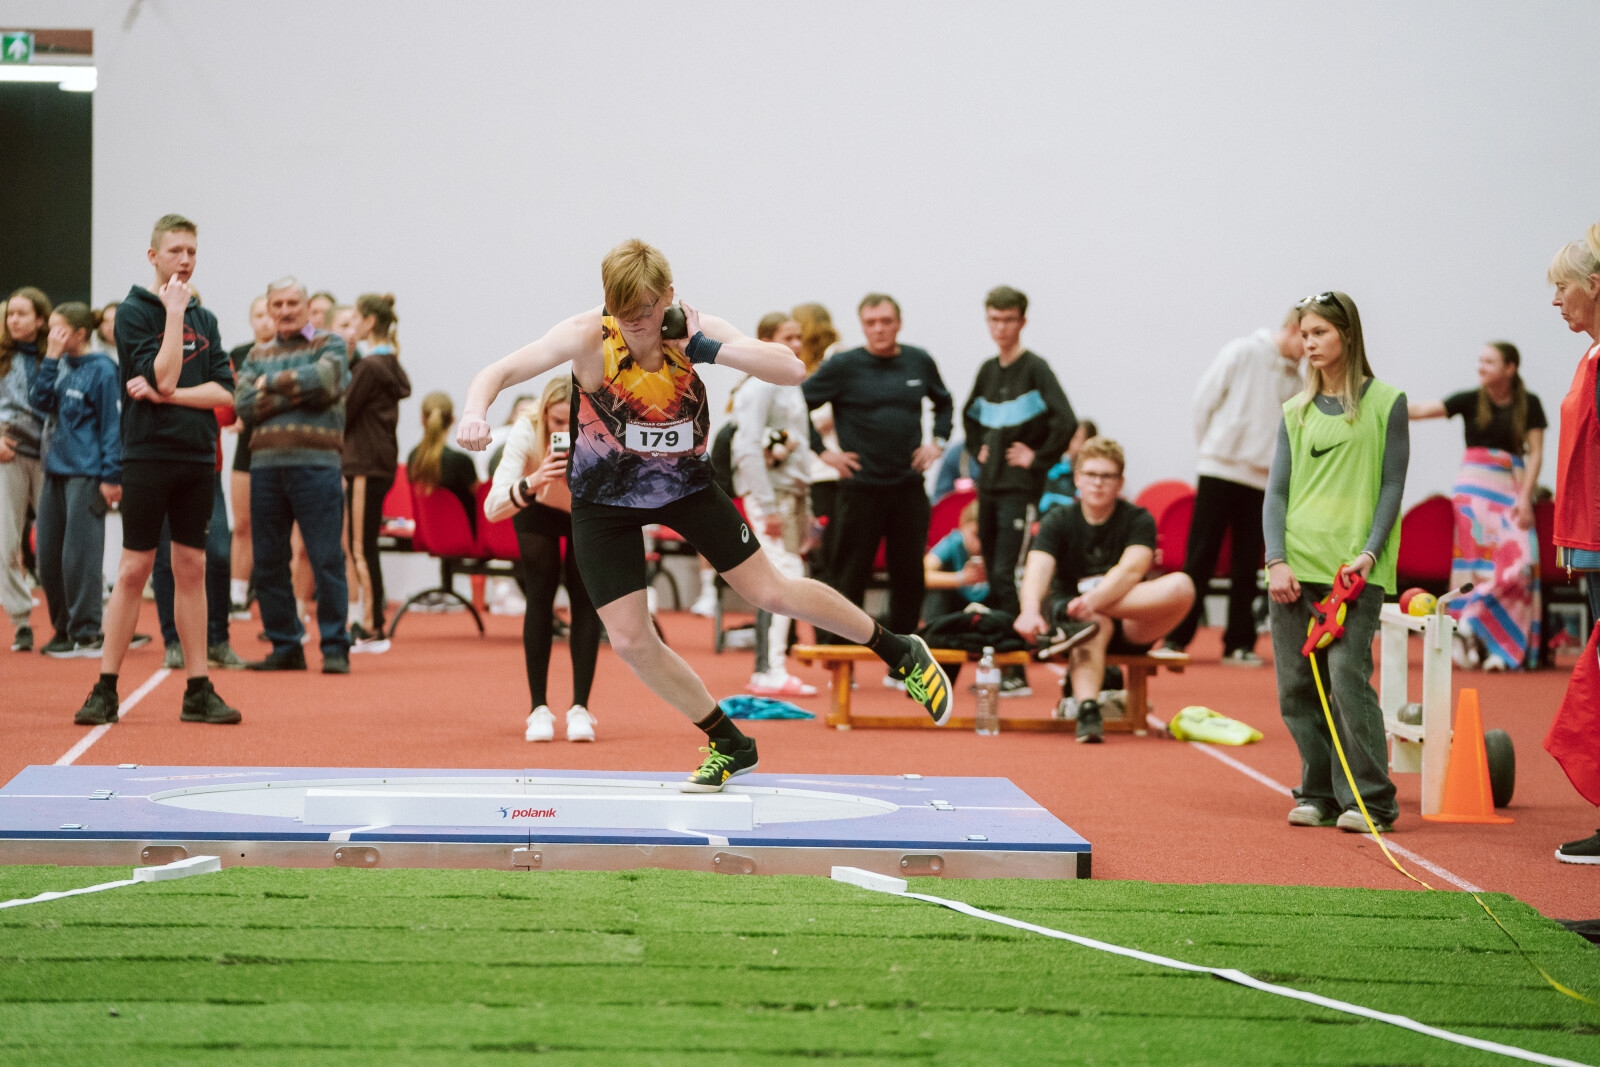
[(16, 47)]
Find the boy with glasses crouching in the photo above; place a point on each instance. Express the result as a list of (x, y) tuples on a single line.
[(1084, 591)]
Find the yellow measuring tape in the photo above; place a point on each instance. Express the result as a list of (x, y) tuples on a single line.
[(1333, 732)]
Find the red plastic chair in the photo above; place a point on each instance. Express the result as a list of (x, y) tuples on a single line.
[(1172, 505), (443, 531), (1427, 542), (399, 514), (946, 513), (1555, 585), (496, 540)]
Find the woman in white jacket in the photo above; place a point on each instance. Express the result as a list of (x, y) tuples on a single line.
[(1238, 403), (771, 471), (531, 484)]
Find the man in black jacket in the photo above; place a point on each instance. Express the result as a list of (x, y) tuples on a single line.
[(877, 392), (175, 372), (1017, 423)]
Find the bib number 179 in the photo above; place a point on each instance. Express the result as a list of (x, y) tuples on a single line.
[(656, 437)]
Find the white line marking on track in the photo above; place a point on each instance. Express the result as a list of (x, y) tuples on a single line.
[(71, 755), (1277, 786)]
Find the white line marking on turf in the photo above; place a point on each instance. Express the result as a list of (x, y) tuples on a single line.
[(1273, 784), (885, 885), (183, 868), (71, 755)]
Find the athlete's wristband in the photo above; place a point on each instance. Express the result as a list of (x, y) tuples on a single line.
[(703, 349)]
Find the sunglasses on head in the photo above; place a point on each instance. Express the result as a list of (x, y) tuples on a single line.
[(1329, 298)]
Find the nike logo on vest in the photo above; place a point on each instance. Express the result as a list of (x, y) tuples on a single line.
[(1318, 453)]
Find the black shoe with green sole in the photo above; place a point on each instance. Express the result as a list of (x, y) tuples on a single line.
[(925, 680), (720, 766)]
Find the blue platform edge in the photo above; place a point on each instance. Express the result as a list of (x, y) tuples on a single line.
[(983, 814)]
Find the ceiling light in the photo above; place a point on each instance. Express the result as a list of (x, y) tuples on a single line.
[(73, 79)]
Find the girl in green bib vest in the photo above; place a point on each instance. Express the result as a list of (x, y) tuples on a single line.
[(1333, 500)]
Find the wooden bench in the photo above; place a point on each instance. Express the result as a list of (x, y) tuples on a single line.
[(840, 660)]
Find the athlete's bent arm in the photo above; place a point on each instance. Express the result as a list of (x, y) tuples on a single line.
[(767, 360), (565, 342)]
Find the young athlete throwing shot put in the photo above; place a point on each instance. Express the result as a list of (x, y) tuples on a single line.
[(639, 436)]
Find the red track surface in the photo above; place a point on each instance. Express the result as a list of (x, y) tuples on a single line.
[(1153, 808)]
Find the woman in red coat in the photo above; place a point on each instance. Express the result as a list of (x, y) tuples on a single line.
[(1576, 276)]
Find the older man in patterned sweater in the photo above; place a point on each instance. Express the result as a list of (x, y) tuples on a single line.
[(291, 396)]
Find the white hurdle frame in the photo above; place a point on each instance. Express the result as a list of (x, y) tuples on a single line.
[(1413, 748)]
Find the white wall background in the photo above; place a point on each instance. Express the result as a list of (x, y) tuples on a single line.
[(1159, 177)]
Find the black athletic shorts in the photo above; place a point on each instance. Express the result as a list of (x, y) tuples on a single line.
[(1119, 646), (610, 543), (178, 493)]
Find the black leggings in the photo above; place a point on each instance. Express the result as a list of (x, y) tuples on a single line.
[(543, 569)]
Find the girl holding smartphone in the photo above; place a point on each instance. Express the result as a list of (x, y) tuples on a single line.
[(1333, 501), (531, 484)]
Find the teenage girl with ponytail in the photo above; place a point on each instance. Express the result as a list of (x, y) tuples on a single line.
[(433, 466), (1496, 544), (371, 412), (1333, 502), (531, 484)]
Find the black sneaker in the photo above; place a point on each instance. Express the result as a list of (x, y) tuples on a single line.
[(139, 640), (60, 647), (1014, 683), (1067, 635), (925, 680), (1090, 729), (335, 663), (99, 709), (203, 705), (293, 659), (1585, 851), (22, 640), (719, 767), (88, 649)]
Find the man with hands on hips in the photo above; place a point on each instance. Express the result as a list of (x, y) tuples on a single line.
[(639, 456)]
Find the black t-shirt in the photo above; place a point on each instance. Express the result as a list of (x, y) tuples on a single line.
[(1084, 550), (459, 475), (1498, 434)]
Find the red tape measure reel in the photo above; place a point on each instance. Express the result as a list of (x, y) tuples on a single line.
[(1327, 615)]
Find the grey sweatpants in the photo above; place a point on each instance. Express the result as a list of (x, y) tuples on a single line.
[(72, 548), (1346, 668), (21, 481)]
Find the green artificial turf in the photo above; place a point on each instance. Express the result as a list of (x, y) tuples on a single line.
[(258, 965)]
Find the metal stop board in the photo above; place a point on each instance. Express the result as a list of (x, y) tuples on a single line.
[(534, 820)]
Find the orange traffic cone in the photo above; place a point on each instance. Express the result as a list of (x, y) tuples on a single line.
[(1467, 794)]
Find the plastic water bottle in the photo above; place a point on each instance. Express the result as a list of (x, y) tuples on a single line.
[(988, 717)]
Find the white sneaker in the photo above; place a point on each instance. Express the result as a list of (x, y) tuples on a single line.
[(580, 724), (541, 725), (1494, 663), (706, 605)]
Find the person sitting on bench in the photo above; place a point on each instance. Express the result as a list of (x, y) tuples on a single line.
[(1084, 590)]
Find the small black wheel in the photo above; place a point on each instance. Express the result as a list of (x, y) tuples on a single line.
[(1502, 766)]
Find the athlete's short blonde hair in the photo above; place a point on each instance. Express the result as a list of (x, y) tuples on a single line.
[(630, 272)]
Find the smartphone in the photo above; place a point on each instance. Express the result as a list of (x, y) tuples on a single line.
[(674, 326), (560, 440)]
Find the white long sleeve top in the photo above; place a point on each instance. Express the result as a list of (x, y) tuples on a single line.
[(1237, 406), (757, 407), (513, 463)]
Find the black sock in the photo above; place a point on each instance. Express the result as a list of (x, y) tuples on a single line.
[(720, 728), (197, 685), (108, 682), (891, 648)]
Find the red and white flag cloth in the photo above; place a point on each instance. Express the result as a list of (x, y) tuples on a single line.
[(1574, 737)]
